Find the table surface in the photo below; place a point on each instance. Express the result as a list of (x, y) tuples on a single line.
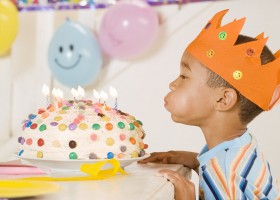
[(141, 182)]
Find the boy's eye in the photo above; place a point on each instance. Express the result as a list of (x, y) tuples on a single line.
[(183, 76)]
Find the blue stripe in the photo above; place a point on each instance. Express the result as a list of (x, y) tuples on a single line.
[(243, 185), (268, 187), (211, 185), (249, 165)]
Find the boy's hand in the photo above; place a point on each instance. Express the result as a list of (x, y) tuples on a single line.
[(188, 159), (184, 189)]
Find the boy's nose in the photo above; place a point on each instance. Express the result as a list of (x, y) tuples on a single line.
[(172, 85)]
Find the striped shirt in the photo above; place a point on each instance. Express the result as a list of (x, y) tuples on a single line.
[(236, 169)]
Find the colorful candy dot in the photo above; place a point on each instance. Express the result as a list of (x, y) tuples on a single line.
[(45, 115), (109, 126), (95, 126), (93, 137), (40, 142), (121, 125), (92, 156), (39, 121), (123, 148), (62, 127), (31, 116), (41, 110), (142, 153), (57, 118), (29, 141), (39, 154), (110, 155), (22, 140), (110, 141), (122, 137), (132, 140), (28, 124), (62, 112), (72, 126), (51, 108), (136, 123), (43, 127), (105, 118), (73, 155), (134, 154), (139, 122), (131, 126), (56, 143), (141, 145), (65, 108), (120, 155), (72, 144), (53, 123), (34, 126), (20, 152), (19, 139), (83, 126)]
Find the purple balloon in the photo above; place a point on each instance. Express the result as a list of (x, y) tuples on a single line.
[(128, 29)]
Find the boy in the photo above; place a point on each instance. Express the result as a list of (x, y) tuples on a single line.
[(225, 81)]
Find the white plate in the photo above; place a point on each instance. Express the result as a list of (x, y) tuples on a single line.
[(50, 166)]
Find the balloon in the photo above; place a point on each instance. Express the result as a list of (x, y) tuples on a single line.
[(74, 55), (8, 25), (128, 29)]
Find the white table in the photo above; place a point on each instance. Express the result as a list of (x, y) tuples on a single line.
[(142, 182)]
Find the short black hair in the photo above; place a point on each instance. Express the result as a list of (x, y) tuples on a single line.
[(247, 109)]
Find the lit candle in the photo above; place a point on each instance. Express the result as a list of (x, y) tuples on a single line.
[(54, 94), (96, 95), (114, 94), (103, 96), (81, 92), (75, 93), (58, 96), (46, 93)]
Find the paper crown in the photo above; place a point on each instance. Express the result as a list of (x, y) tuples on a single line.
[(240, 65)]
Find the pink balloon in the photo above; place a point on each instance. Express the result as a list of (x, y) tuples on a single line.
[(128, 29)]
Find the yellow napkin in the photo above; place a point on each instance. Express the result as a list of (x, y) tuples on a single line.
[(94, 171)]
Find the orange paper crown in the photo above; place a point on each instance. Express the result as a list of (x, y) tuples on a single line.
[(240, 65)]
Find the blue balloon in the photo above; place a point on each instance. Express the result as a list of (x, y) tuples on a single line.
[(74, 55)]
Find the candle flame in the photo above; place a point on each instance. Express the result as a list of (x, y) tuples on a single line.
[(81, 92), (45, 90), (74, 92), (96, 94), (113, 92), (103, 95)]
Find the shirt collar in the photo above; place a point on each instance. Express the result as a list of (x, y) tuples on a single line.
[(206, 154)]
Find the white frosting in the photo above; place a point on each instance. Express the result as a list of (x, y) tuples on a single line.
[(57, 133)]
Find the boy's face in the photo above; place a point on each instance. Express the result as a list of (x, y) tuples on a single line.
[(190, 100)]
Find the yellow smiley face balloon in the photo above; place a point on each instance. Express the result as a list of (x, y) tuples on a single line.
[(8, 25)]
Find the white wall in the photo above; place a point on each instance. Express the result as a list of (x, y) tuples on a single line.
[(143, 82)]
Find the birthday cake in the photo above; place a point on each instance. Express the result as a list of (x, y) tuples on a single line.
[(81, 130)]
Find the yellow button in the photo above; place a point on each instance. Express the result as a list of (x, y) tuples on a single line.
[(237, 75), (210, 53)]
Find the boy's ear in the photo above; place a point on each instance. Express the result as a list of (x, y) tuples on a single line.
[(226, 99)]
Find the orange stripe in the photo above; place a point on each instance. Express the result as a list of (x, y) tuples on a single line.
[(261, 177), (235, 165), (219, 174)]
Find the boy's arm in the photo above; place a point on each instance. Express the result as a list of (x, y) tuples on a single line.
[(186, 158)]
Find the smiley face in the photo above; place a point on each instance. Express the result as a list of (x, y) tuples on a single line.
[(222, 35), (237, 75), (210, 53), (74, 55), (67, 56)]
